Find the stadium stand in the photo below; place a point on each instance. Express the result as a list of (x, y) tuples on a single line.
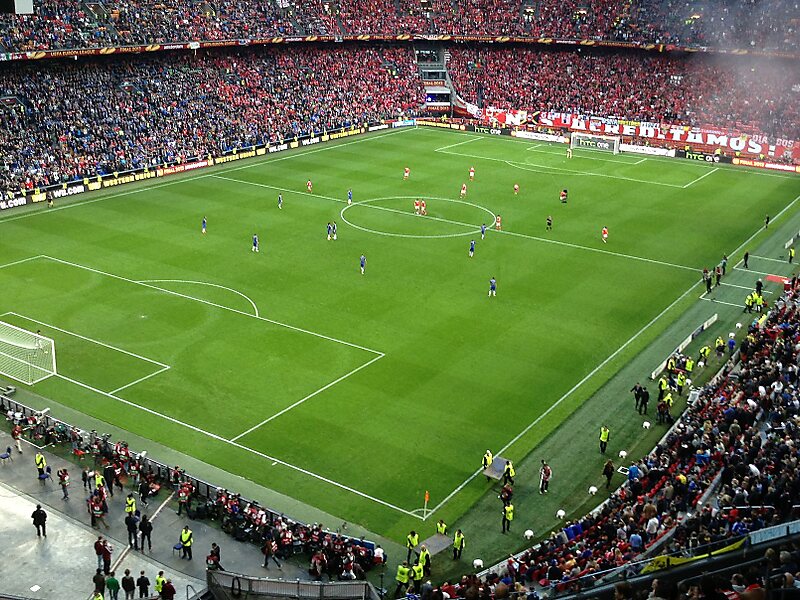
[(770, 25), (150, 110), (656, 88)]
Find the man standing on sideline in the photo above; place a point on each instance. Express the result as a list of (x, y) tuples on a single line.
[(39, 521), (604, 433), (644, 399), (509, 473), (41, 463), (745, 259), (132, 525), (215, 553), (106, 557), (637, 394), (98, 550), (16, 435), (146, 528), (63, 481), (608, 472), (487, 462), (458, 544), (508, 516), (791, 255), (99, 583), (143, 583), (112, 585), (724, 264), (545, 472), (412, 541), (128, 585), (402, 578), (186, 542)]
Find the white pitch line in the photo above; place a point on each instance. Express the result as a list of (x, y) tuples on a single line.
[(302, 400), (88, 339), (19, 262), (784, 262), (569, 392), (637, 334), (703, 176), (222, 287), (471, 225), (141, 379), (209, 303), (720, 302), (638, 162), (240, 446), (459, 143), (742, 287), (759, 272), (523, 166), (179, 179)]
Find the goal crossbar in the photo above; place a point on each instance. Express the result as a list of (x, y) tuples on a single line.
[(595, 141)]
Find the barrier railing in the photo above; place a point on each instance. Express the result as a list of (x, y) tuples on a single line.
[(224, 584)]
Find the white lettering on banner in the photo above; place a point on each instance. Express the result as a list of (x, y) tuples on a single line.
[(12, 202), (70, 191), (278, 148), (673, 132), (404, 123), (649, 150), (377, 127), (309, 141), (540, 137)]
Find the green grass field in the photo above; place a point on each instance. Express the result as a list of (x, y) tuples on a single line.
[(352, 393)]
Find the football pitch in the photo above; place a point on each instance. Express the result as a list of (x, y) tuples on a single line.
[(357, 394)]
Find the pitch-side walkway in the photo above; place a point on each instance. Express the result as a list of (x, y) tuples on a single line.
[(63, 564)]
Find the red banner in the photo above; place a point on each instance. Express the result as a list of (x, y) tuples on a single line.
[(674, 133)]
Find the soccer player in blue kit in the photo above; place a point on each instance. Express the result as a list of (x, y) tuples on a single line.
[(492, 287), (363, 263), (204, 225), (472, 248), (280, 200), (483, 230), (333, 230), (330, 230), (255, 243), (349, 197)]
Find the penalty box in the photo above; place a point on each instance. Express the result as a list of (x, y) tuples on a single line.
[(279, 365)]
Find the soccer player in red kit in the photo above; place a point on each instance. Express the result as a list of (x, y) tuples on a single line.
[(463, 189), (416, 206), (423, 209), (498, 222), (563, 196), (471, 173), (406, 173), (604, 233), (309, 186), (516, 189)]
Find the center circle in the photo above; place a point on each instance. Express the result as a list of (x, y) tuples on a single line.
[(370, 201)]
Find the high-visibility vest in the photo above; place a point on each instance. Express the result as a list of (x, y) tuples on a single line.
[(689, 365), (604, 432), (441, 528), (662, 383), (412, 540), (186, 537), (417, 572), (160, 581), (508, 511), (41, 463), (681, 379), (130, 505), (402, 574), (668, 399), (487, 460), (424, 557), (99, 480), (458, 541), (510, 470)]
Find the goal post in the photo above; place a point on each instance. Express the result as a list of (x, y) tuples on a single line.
[(25, 356), (592, 141)]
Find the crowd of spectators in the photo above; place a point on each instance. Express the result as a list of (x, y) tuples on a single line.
[(737, 448), (71, 120), (766, 25), (722, 92)]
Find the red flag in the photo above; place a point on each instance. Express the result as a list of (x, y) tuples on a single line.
[(427, 496)]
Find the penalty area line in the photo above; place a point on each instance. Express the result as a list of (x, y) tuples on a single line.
[(302, 400), (239, 446)]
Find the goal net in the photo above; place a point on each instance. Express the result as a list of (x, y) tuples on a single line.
[(591, 141), (25, 356)]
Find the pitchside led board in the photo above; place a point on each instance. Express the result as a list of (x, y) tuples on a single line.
[(19, 7)]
